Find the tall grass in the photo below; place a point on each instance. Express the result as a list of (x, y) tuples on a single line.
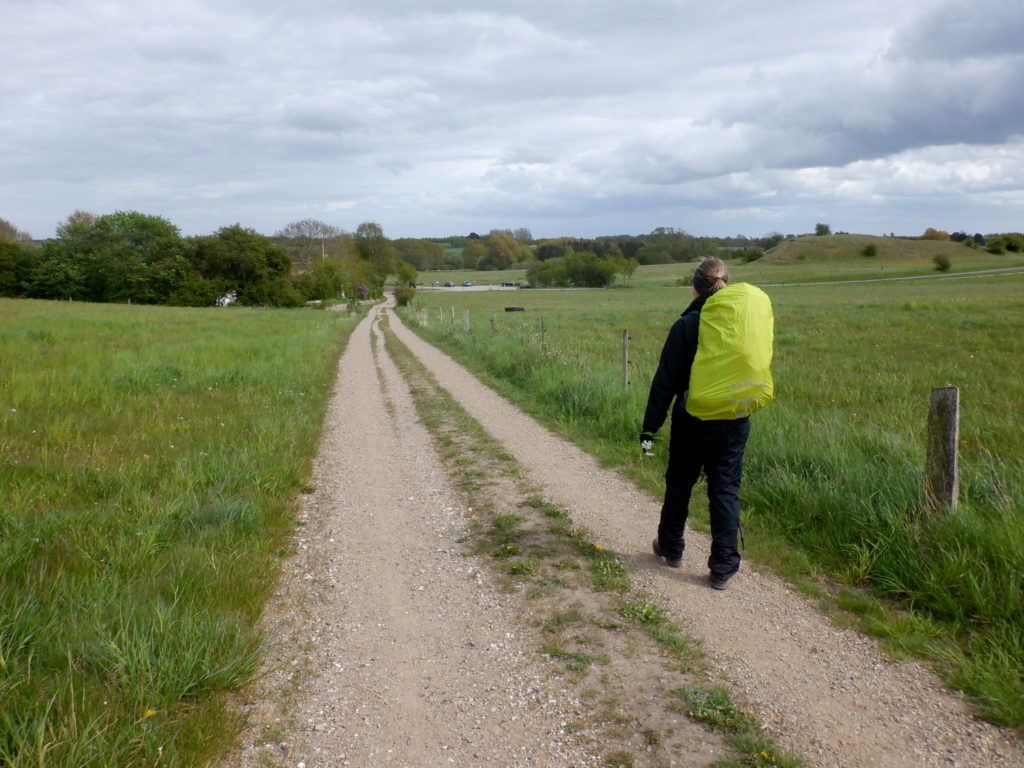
[(835, 465), (148, 457)]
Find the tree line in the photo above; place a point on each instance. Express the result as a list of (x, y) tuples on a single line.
[(128, 256), (570, 261)]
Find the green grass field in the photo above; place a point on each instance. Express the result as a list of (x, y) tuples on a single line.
[(148, 461), (834, 469), (807, 259), (149, 458)]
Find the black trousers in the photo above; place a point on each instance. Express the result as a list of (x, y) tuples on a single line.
[(717, 448)]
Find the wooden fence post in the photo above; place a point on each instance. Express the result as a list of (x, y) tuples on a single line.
[(543, 333), (465, 320), (494, 326), (625, 358), (942, 482), (453, 314)]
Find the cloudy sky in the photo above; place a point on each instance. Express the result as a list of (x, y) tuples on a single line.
[(582, 117)]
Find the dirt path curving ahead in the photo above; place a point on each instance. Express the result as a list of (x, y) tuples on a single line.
[(394, 649)]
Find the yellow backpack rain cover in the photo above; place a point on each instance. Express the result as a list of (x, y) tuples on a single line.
[(731, 375)]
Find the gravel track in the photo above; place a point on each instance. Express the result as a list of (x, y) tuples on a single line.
[(393, 649)]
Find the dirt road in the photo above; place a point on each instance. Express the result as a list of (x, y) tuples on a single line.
[(394, 649)]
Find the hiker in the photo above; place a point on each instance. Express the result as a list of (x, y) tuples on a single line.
[(716, 378)]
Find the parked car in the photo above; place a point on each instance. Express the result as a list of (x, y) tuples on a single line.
[(467, 283), (449, 284), (525, 285), (508, 284)]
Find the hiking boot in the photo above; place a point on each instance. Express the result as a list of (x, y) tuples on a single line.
[(717, 583), (672, 562)]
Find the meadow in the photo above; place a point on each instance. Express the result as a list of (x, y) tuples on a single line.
[(806, 259), (149, 458), (833, 479)]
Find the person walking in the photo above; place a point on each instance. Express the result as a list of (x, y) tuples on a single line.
[(710, 417)]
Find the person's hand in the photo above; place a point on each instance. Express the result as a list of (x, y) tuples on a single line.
[(647, 443)]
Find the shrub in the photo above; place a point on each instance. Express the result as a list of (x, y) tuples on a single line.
[(753, 253), (942, 262), (870, 250), (1014, 242), (404, 294), (996, 245)]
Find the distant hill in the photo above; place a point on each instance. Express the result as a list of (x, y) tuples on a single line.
[(843, 247)]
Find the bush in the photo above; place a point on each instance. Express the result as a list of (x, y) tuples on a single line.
[(753, 253), (1014, 242), (996, 245), (942, 262), (404, 294), (870, 250)]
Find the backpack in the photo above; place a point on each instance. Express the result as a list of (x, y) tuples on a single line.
[(731, 375)]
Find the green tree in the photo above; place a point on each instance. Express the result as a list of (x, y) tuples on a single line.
[(326, 279), (11, 234), (55, 278), (122, 256), (822, 229), (376, 253), (405, 272), (550, 273), (553, 249), (17, 262), (629, 266), (586, 269), (995, 244), (503, 251), (241, 261), (472, 253), (422, 254), (1014, 241)]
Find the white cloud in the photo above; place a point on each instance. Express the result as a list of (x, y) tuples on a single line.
[(585, 117)]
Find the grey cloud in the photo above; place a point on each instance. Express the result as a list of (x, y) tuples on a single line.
[(956, 29), (586, 112)]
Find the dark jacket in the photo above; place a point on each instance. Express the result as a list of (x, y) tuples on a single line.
[(672, 379)]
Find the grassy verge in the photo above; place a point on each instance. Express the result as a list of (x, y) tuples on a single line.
[(635, 670), (833, 474), (149, 456)]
